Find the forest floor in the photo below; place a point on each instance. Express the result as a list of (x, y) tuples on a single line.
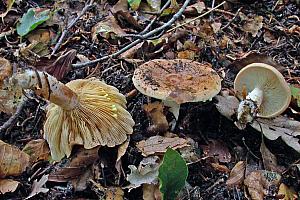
[(229, 37)]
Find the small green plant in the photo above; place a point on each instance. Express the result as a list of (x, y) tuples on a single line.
[(172, 175), (30, 20)]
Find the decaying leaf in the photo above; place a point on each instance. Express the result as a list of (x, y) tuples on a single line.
[(282, 127), (147, 172), (220, 168), (13, 161), (288, 192), (34, 51), (8, 185), (159, 144), (217, 149), (159, 121), (107, 28), (189, 153), (269, 159), (40, 35), (79, 163), (195, 8), (37, 187), (258, 183), (37, 150), (237, 174), (253, 25), (151, 192), (227, 105), (114, 193)]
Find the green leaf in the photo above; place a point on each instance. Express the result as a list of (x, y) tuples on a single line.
[(134, 4), (295, 93), (30, 20), (172, 175)]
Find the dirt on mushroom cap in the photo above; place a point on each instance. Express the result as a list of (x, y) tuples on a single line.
[(179, 80)]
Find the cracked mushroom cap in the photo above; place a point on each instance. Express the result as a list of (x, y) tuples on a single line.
[(99, 119), (178, 80), (10, 96), (276, 91)]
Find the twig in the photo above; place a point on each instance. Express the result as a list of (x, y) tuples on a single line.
[(70, 25), (137, 41), (249, 150), (10, 121), (236, 14), (200, 16)]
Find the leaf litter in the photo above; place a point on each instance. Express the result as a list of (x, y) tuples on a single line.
[(58, 36)]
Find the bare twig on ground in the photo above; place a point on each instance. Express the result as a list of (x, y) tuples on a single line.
[(137, 41), (11, 120), (236, 14), (70, 25)]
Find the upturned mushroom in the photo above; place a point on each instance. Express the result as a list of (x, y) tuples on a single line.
[(269, 94), (177, 81), (84, 112)]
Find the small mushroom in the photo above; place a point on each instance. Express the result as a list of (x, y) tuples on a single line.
[(10, 97), (269, 94), (84, 112), (177, 81)]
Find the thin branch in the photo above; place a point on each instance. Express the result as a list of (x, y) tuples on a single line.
[(11, 120), (137, 41), (236, 14), (70, 25)]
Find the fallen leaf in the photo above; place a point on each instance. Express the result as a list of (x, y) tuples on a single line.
[(114, 193), (147, 172), (156, 113), (31, 19), (107, 28), (269, 37), (159, 144), (190, 153), (253, 25), (237, 175), (134, 4), (151, 192), (195, 8), (186, 54), (78, 164), (8, 185), (220, 168), (13, 161), (269, 159), (37, 150), (282, 127), (37, 187), (121, 152), (259, 182), (227, 105), (40, 35), (217, 149), (295, 90), (154, 4), (288, 192), (216, 26)]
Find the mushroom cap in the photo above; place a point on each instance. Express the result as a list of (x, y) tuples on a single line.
[(276, 91), (99, 119), (10, 95), (178, 80)]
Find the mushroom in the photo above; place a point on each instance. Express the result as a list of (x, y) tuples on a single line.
[(84, 112), (177, 81), (10, 97), (269, 94)]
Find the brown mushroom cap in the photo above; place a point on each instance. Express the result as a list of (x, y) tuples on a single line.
[(99, 119), (10, 96), (178, 80), (276, 91)]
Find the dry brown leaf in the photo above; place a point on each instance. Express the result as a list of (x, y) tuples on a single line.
[(186, 54), (288, 192), (114, 193), (253, 25), (269, 37), (220, 168), (156, 113), (151, 192), (269, 159), (237, 174), (107, 28), (8, 185), (227, 105), (37, 150), (217, 149), (13, 161), (37, 187), (216, 26), (282, 127), (258, 183), (159, 144), (79, 163), (40, 35), (195, 9)]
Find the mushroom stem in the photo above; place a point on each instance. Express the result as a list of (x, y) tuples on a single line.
[(174, 109), (48, 87), (249, 107)]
